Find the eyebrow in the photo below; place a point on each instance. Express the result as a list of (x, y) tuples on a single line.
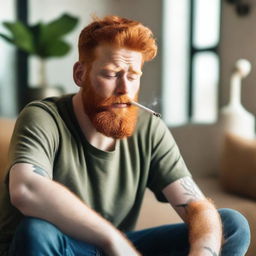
[(137, 72)]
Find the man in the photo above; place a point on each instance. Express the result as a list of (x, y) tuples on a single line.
[(79, 165)]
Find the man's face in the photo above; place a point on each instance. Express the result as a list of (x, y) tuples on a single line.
[(111, 82)]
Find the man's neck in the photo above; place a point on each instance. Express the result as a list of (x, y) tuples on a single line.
[(95, 138)]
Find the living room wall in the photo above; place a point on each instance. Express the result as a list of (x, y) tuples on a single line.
[(238, 40)]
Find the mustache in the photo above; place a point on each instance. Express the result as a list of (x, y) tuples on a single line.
[(116, 99), (106, 104)]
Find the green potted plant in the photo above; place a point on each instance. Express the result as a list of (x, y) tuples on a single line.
[(43, 40)]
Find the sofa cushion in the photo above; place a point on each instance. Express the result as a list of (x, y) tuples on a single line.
[(238, 166), (6, 129), (200, 146)]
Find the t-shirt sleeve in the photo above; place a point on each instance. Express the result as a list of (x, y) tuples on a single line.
[(35, 139), (167, 164)]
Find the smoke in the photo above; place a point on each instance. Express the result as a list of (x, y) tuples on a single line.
[(154, 103)]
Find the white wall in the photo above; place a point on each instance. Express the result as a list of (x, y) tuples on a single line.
[(60, 70), (238, 40)]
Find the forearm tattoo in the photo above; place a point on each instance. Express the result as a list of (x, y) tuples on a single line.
[(190, 190), (40, 171), (211, 251)]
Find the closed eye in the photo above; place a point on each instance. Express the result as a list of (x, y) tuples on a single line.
[(133, 77), (110, 75)]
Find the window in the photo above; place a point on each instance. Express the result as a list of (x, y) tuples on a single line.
[(7, 67), (190, 61)]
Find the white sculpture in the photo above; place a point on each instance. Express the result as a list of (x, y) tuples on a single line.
[(234, 118)]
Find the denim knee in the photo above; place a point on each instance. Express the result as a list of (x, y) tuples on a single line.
[(37, 237), (236, 232)]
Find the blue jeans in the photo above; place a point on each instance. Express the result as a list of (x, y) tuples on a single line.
[(36, 237)]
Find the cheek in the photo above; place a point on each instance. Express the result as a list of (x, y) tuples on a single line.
[(103, 87), (136, 88)]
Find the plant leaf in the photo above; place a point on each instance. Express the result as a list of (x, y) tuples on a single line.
[(7, 38), (36, 31), (21, 36), (58, 28), (56, 48)]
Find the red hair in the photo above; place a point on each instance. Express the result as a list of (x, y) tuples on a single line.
[(119, 32)]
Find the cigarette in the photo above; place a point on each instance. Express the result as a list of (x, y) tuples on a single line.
[(145, 108)]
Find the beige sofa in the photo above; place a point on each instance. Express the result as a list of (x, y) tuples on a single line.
[(201, 150)]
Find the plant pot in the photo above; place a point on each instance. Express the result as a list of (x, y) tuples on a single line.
[(38, 93)]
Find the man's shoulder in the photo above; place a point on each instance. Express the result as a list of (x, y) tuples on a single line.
[(44, 113), (50, 103), (46, 108)]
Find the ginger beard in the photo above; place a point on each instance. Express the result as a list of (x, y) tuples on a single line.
[(107, 119)]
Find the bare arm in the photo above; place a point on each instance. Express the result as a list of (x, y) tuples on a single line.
[(205, 228), (38, 196)]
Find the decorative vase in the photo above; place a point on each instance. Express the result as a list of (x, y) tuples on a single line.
[(43, 90), (40, 93), (234, 118)]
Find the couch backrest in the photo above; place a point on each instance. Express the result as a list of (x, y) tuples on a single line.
[(200, 146), (6, 129)]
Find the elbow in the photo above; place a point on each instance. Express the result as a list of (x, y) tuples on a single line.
[(19, 197)]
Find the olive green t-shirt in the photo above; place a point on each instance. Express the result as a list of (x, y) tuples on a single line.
[(48, 135)]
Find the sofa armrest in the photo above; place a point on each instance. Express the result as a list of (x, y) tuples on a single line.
[(6, 129)]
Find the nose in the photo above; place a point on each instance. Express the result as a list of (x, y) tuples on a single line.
[(122, 86)]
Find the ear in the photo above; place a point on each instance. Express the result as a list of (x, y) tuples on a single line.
[(79, 73)]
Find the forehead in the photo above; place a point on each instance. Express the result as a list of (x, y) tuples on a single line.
[(109, 56)]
